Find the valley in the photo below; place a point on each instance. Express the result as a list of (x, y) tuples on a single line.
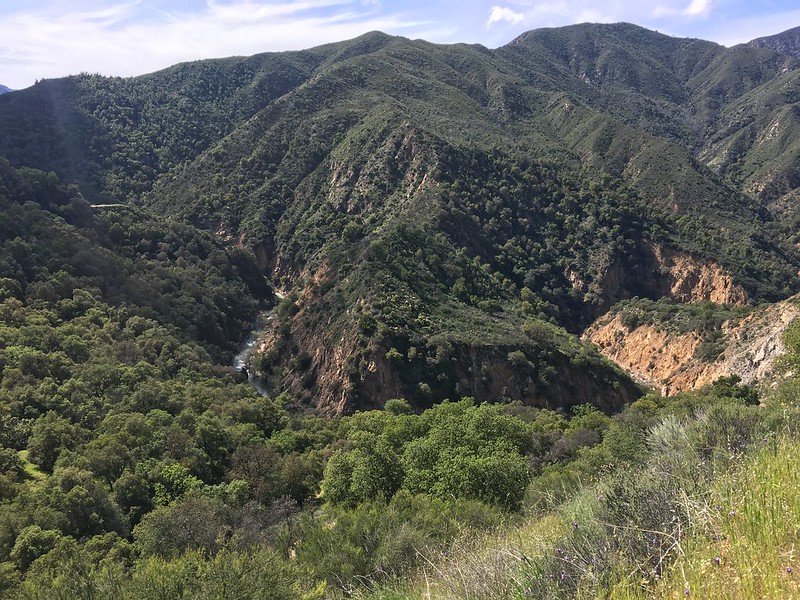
[(391, 319)]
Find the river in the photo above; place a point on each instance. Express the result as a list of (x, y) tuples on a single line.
[(242, 361)]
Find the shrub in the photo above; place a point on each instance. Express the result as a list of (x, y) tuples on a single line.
[(33, 542)]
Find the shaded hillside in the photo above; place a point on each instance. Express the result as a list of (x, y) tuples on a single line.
[(115, 136), (56, 249), (4, 89), (432, 207)]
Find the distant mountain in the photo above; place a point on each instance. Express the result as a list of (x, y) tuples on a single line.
[(4, 89), (787, 42), (442, 215)]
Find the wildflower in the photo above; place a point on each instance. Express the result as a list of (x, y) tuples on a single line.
[(574, 524), (686, 591), (717, 560), (732, 513), (789, 570)]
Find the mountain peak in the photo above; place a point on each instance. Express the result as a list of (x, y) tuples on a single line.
[(787, 42), (4, 89), (613, 29)]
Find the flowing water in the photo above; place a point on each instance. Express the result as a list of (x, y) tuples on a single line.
[(243, 360)]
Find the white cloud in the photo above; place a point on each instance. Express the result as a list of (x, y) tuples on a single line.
[(593, 16), (695, 8), (503, 13), (126, 38), (553, 13)]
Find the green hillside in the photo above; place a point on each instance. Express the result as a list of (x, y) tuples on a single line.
[(482, 161), (115, 136), (410, 238), (787, 42), (409, 206)]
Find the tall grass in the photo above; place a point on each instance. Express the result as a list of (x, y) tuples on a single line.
[(714, 512), (478, 567), (748, 545)]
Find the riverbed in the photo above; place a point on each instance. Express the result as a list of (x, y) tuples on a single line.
[(243, 361)]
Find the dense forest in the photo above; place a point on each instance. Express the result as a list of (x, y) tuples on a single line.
[(418, 234), (125, 437), (135, 463)]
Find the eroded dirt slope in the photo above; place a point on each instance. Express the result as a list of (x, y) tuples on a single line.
[(669, 361)]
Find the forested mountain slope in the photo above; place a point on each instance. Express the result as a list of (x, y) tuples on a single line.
[(430, 207), (115, 136), (355, 152)]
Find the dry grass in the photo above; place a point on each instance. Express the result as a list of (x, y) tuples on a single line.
[(479, 567)]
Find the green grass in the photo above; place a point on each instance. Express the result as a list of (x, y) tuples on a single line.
[(31, 470), (746, 546)]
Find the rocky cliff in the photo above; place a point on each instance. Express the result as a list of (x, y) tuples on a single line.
[(670, 361), (336, 368), (657, 271)]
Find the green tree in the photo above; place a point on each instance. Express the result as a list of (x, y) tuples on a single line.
[(51, 434), (33, 542), (192, 523)]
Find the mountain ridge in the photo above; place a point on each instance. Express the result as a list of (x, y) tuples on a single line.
[(553, 177), (787, 42)]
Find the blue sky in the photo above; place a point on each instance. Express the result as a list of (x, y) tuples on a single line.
[(51, 38)]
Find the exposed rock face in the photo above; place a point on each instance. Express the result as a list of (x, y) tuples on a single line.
[(333, 370), (403, 157), (692, 280), (650, 355), (333, 386), (667, 360), (663, 272)]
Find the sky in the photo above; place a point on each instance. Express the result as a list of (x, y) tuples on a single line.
[(52, 38)]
